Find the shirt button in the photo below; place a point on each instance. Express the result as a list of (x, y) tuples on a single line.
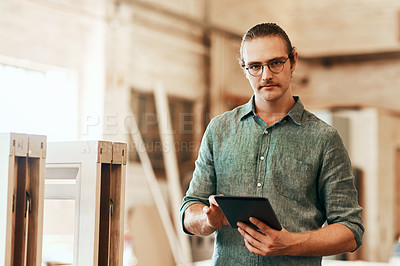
[(258, 184), (262, 158)]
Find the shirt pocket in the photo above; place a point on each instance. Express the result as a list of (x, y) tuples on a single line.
[(294, 179)]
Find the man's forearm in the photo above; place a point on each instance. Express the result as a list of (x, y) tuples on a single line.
[(329, 240), (195, 220)]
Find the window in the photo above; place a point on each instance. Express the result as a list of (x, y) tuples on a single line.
[(38, 102), (44, 101)]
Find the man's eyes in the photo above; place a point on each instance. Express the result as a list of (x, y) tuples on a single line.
[(255, 67), (259, 66), (275, 63)]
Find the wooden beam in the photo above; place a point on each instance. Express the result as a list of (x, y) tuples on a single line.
[(156, 192), (329, 60), (184, 18), (171, 165)]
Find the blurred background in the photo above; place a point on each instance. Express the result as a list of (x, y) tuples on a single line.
[(81, 69)]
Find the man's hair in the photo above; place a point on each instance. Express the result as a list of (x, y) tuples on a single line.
[(266, 30)]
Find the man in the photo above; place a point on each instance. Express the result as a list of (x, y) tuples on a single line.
[(273, 147)]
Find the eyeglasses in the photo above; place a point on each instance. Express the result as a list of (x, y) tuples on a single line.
[(275, 66)]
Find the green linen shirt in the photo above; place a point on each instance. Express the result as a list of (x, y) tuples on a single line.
[(300, 164)]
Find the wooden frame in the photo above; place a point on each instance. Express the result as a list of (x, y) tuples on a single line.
[(22, 160), (99, 197)]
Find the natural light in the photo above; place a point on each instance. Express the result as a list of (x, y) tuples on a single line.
[(37, 102)]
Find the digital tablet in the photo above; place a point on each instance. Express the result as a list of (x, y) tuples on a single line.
[(240, 209)]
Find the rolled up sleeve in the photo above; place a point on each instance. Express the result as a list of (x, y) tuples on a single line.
[(202, 184), (337, 190)]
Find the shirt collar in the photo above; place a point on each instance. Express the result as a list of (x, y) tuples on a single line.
[(296, 113), (248, 109)]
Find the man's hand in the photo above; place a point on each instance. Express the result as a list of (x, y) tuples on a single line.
[(202, 220), (215, 217), (269, 242), (329, 240)]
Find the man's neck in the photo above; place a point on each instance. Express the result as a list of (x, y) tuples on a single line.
[(273, 111)]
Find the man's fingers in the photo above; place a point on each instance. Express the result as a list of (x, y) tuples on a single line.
[(253, 249), (212, 200), (253, 245), (248, 232), (263, 227)]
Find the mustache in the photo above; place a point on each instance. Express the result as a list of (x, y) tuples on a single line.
[(268, 82)]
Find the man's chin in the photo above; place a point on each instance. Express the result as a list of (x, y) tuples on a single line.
[(268, 97)]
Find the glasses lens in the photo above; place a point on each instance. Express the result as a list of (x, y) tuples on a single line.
[(276, 66), (255, 70)]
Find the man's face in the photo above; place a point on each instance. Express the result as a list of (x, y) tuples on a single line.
[(269, 87)]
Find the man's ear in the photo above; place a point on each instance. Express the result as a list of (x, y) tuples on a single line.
[(245, 72), (294, 62)]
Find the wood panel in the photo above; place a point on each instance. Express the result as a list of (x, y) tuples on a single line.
[(117, 187), (19, 214), (105, 215), (21, 219)]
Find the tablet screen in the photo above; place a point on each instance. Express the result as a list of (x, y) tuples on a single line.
[(240, 209)]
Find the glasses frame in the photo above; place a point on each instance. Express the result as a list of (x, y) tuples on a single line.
[(269, 67)]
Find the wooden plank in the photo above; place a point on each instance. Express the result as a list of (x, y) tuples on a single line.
[(37, 146), (36, 174), (156, 192), (101, 233), (115, 214), (104, 221), (119, 154), (6, 196), (19, 218), (19, 144), (397, 182), (111, 214), (105, 149), (22, 204), (171, 166), (117, 195), (119, 220)]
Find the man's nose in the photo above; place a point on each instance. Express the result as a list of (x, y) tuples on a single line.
[(267, 74)]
